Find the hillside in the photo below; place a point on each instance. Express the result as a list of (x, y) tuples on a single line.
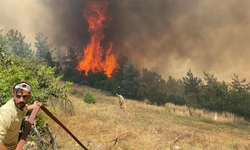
[(146, 127)]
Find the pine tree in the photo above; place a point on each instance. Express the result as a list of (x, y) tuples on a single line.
[(3, 40), (191, 89), (130, 80), (43, 49), (17, 44), (71, 56)]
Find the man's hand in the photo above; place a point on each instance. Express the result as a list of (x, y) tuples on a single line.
[(2, 147), (38, 103), (31, 107)]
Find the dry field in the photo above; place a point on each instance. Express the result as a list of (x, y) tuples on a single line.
[(145, 127)]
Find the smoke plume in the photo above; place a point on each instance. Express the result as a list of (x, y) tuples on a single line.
[(166, 36)]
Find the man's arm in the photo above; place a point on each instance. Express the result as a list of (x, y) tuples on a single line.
[(31, 107), (2, 147), (5, 121)]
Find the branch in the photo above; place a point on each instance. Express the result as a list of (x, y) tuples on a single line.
[(53, 139), (116, 138), (35, 130), (176, 139)]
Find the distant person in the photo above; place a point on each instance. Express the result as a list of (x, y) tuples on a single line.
[(121, 101), (123, 105), (12, 114)]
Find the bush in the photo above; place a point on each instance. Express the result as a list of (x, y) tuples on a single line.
[(73, 92), (88, 97), (83, 82), (157, 97), (177, 99)]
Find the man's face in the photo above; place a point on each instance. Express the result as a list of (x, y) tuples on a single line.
[(21, 98)]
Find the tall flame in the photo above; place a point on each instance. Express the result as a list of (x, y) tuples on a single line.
[(95, 57)]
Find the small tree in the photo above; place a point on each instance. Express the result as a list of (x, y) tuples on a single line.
[(88, 97)]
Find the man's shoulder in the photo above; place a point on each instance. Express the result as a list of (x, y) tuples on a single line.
[(8, 104), (8, 109)]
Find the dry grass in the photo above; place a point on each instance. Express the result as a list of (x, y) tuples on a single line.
[(146, 127)]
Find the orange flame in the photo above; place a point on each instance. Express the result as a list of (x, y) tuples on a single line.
[(94, 54)]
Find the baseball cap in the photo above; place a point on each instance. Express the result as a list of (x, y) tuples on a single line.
[(23, 86)]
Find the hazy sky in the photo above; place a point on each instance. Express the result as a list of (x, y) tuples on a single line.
[(166, 36)]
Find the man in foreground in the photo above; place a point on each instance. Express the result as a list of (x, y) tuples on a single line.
[(12, 113)]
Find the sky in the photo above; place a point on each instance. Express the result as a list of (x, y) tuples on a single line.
[(166, 36)]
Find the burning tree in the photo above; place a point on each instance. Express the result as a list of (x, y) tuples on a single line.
[(95, 57)]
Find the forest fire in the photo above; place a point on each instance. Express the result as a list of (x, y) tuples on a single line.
[(95, 57)]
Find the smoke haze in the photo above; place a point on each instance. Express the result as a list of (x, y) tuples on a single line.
[(166, 36)]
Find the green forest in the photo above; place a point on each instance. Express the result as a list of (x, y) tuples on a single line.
[(42, 69)]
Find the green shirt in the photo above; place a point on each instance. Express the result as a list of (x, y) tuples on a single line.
[(10, 122)]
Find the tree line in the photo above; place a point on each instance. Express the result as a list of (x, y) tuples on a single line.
[(204, 93)]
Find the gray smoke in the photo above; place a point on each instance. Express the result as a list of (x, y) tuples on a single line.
[(166, 36)]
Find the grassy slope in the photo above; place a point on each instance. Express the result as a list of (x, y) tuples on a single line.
[(143, 127)]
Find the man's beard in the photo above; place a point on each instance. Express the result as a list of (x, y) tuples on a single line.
[(20, 105)]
